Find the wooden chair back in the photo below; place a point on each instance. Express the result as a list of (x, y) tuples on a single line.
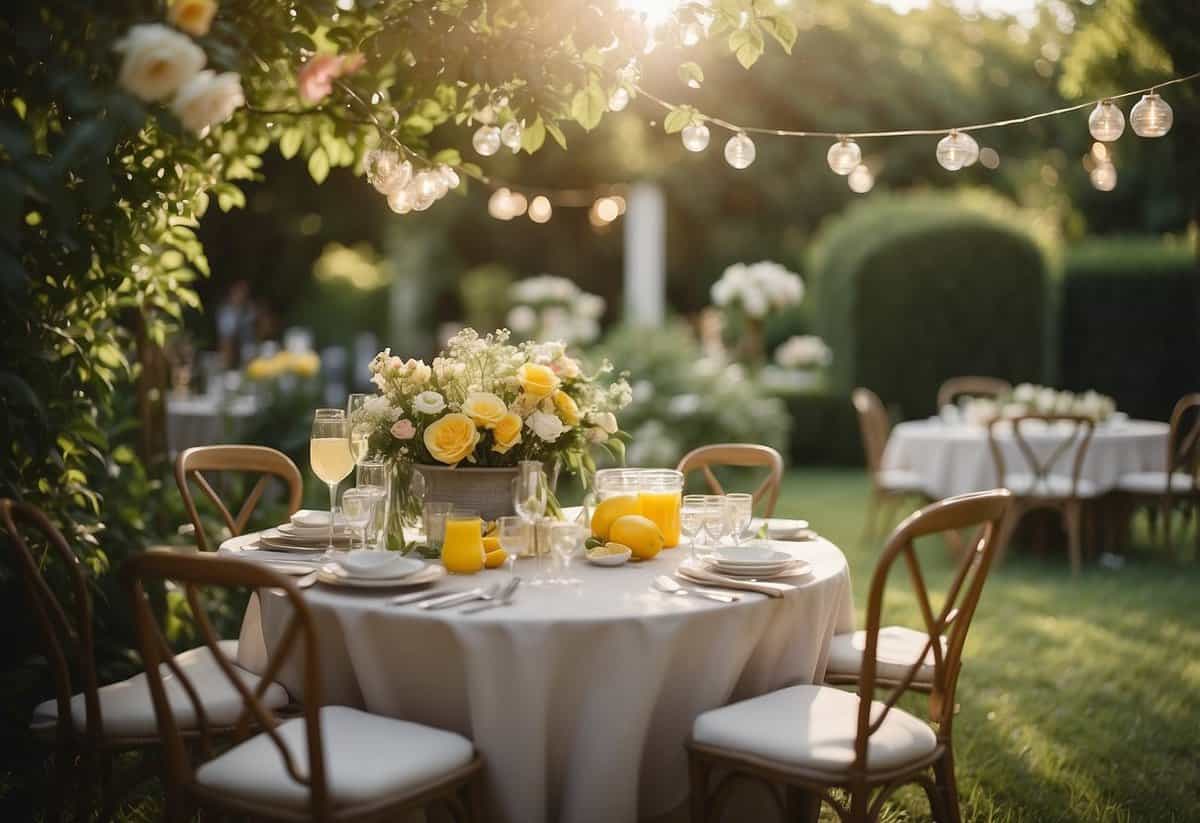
[(873, 424), (1183, 444), (66, 633), (1071, 431), (742, 455), (192, 573), (978, 510), (971, 386), (260, 460)]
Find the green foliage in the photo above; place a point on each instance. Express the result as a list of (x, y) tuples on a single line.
[(824, 430), (1130, 322), (913, 290)]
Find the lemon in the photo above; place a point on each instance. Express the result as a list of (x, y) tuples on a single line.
[(495, 559), (490, 544), (609, 510), (641, 534)]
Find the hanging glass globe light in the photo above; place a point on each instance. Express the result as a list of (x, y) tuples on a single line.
[(844, 156), (1106, 122), (400, 201), (540, 209), (619, 99), (449, 175), (1104, 176), (739, 151), (486, 140), (510, 135), (695, 137), (860, 179), (499, 206), (956, 150), (1151, 116)]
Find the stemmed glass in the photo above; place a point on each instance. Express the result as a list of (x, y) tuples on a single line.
[(739, 508), (716, 525), (565, 539), (360, 429), (691, 518), (329, 455), (515, 537), (530, 495)]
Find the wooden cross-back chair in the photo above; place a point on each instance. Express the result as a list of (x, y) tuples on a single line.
[(743, 455), (333, 763), (811, 739), (267, 462), (890, 487), (971, 386), (1043, 485)]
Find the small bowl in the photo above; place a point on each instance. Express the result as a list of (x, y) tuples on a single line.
[(610, 559)]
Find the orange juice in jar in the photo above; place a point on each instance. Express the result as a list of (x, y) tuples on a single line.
[(462, 548), (660, 492)]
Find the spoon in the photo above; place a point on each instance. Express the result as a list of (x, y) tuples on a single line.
[(505, 598), (668, 586), (458, 599)]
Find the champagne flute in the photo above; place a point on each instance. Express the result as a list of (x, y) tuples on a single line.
[(360, 428), (329, 455), (691, 518), (716, 525), (739, 508)]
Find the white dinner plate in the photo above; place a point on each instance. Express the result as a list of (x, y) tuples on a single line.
[(794, 569), (751, 554), (307, 532), (334, 575), (378, 565), (273, 539)]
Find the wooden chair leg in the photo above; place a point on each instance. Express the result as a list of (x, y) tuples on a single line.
[(868, 532), (698, 786), (55, 789), (1072, 514), (1164, 514), (475, 798), (1007, 526), (803, 806), (947, 786)]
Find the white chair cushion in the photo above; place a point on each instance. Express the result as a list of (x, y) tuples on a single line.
[(812, 728), (127, 709), (367, 757), (896, 652), (1154, 483), (899, 480), (1055, 485)]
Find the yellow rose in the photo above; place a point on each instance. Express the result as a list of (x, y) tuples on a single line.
[(306, 364), (564, 404), (259, 369), (485, 408), (537, 380), (193, 16), (452, 438), (507, 433)]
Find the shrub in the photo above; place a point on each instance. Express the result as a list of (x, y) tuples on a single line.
[(1130, 322), (911, 290)]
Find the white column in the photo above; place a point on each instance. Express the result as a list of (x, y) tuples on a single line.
[(645, 255)]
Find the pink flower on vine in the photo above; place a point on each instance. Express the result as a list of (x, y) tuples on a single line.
[(315, 78)]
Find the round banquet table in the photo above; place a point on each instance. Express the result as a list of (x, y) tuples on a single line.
[(579, 699), (953, 459)]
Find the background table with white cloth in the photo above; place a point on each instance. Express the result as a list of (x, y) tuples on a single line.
[(953, 458), (579, 699)]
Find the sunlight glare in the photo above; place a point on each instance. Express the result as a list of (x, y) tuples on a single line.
[(656, 12)]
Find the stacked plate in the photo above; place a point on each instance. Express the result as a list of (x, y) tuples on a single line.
[(307, 531), (368, 569), (757, 560)]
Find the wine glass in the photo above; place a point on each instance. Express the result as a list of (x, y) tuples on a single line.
[(515, 534), (375, 479), (530, 496), (360, 428), (739, 508), (329, 455), (565, 539), (691, 518), (716, 525)]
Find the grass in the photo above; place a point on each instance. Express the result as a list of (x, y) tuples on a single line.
[(1079, 697)]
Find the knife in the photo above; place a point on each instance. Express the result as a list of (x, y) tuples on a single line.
[(505, 599), (451, 600), (415, 597)]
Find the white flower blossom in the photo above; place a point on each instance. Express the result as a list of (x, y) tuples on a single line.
[(546, 426), (429, 402), (157, 61)]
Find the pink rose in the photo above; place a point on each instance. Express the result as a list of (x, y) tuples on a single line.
[(316, 77), (403, 430)]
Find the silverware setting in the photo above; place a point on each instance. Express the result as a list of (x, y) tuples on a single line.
[(505, 599), (462, 597), (666, 585), (414, 597)]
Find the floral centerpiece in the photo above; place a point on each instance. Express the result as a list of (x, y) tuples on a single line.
[(484, 405), (1031, 399)]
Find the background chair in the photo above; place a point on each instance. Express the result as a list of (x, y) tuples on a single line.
[(1041, 486), (738, 454), (333, 763), (261, 460), (811, 739), (971, 386), (889, 487), (1181, 479)]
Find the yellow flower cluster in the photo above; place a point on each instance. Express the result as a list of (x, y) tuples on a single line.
[(303, 364)]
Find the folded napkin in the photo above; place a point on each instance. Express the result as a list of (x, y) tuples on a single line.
[(696, 574), (310, 518)]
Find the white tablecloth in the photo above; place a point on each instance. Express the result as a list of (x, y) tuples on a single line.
[(578, 699), (955, 458)]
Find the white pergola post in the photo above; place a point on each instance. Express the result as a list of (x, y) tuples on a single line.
[(645, 255)]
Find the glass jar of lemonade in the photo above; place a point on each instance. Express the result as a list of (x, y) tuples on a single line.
[(658, 493), (462, 546)]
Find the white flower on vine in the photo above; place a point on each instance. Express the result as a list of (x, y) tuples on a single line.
[(207, 99), (156, 61)]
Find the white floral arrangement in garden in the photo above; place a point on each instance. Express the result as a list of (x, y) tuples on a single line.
[(485, 402), (758, 289), (803, 352), (554, 308), (1032, 399)]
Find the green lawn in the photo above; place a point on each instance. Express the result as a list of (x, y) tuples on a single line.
[(1079, 698)]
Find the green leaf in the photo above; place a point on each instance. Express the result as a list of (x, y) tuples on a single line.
[(553, 129), (747, 45), (230, 197), (533, 135), (782, 29), (678, 119), (588, 105), (289, 142), (691, 75), (318, 165), (451, 157)]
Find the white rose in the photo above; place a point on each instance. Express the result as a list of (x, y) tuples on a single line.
[(207, 99), (522, 319), (546, 426), (157, 61), (1025, 393), (429, 402), (606, 421)]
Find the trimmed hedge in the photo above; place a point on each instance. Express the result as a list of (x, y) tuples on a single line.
[(911, 290), (824, 431), (1129, 323)]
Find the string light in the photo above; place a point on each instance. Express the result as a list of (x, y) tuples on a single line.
[(606, 209), (695, 136), (957, 150), (619, 99), (1151, 116), (510, 135), (740, 151), (1106, 122), (540, 209), (844, 156), (860, 179), (1104, 176), (486, 140)]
